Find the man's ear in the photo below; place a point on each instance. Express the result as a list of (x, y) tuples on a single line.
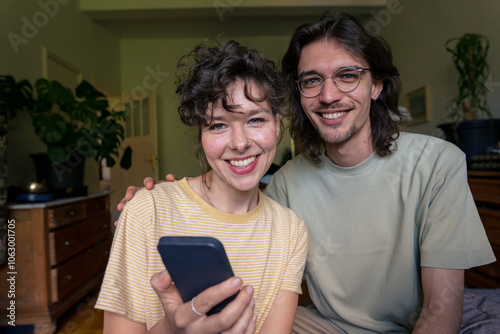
[(377, 87)]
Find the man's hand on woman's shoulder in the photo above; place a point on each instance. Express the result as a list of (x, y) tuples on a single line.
[(149, 184)]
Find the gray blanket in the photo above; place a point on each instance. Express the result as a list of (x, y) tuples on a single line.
[(481, 311)]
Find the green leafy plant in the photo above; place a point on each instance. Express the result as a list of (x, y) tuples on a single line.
[(67, 122), (469, 57), (14, 96)]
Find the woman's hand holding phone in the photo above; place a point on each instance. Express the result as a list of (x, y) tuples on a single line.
[(237, 317)]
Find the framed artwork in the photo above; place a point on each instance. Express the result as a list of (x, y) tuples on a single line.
[(417, 102)]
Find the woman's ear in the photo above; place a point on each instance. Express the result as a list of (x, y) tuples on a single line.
[(278, 124)]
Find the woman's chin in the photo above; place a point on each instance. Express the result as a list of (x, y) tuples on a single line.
[(247, 186)]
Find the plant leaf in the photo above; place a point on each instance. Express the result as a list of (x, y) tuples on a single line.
[(126, 160)]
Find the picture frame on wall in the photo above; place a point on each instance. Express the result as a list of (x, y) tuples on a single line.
[(417, 102)]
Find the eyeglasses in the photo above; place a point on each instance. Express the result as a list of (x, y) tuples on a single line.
[(345, 79)]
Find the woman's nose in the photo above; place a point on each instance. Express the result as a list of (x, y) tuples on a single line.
[(240, 140)]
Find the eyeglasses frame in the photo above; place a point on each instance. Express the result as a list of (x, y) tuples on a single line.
[(358, 69)]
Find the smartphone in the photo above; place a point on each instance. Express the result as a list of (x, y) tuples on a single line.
[(195, 264)]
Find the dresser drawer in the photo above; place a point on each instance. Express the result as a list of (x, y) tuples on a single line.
[(491, 222), (67, 277), (66, 214), (492, 270), (485, 190), (72, 239)]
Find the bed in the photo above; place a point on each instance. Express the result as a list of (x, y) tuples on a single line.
[(481, 311)]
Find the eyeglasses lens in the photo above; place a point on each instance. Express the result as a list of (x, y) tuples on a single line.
[(346, 81)]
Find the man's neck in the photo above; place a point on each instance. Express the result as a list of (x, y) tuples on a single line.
[(351, 153)]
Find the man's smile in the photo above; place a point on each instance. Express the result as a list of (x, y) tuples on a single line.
[(332, 115)]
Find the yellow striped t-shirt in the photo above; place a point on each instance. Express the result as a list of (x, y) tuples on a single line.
[(266, 247)]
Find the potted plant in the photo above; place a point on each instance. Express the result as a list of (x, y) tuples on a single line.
[(73, 126), (469, 122), (14, 96)]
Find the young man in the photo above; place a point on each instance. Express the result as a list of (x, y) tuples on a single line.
[(392, 223)]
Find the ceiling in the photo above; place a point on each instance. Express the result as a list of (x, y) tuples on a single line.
[(132, 18)]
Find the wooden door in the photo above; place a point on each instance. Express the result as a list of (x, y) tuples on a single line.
[(141, 135)]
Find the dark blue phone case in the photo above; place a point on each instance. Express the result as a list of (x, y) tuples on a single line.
[(195, 264)]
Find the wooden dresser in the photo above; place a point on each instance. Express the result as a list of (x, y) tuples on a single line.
[(62, 249), (485, 187)]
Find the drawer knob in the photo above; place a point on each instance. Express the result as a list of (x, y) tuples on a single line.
[(105, 226), (67, 243), (72, 213), (68, 277)]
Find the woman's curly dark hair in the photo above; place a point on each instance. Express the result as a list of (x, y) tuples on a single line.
[(204, 75), (348, 31)]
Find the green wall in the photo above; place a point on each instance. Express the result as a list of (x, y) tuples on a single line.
[(417, 32), (58, 25)]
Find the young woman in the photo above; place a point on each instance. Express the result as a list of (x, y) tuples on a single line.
[(233, 95)]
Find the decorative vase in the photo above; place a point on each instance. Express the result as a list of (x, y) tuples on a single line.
[(473, 137)]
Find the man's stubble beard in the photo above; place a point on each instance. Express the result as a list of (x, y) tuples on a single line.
[(336, 138)]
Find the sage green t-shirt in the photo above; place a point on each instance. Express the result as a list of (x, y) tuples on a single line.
[(372, 226)]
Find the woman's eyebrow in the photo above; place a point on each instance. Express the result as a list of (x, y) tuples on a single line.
[(259, 110), (238, 110)]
